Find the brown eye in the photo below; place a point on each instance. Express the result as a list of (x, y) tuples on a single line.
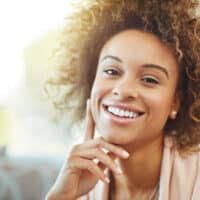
[(150, 80), (111, 72)]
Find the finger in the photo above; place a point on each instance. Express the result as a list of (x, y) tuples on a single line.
[(84, 164), (112, 155), (90, 125), (102, 157), (101, 165), (101, 143)]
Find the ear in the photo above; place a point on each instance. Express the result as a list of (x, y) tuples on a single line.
[(175, 106)]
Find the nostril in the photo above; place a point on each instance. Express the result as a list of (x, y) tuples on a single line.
[(115, 92), (130, 97), (125, 92)]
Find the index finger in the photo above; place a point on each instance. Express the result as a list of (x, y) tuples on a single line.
[(90, 124)]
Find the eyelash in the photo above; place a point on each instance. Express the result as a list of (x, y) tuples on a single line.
[(150, 80), (147, 79), (111, 72)]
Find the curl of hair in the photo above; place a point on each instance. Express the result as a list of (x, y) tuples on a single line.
[(175, 22)]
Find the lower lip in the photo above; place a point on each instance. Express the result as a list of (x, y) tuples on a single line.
[(120, 120)]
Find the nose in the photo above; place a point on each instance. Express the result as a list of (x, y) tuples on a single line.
[(125, 89)]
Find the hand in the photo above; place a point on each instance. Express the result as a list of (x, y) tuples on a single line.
[(80, 173)]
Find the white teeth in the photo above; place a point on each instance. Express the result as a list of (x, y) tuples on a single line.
[(122, 113), (126, 113), (135, 115)]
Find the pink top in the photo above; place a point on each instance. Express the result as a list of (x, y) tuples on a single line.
[(180, 177)]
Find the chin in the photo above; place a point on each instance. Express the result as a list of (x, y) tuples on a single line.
[(114, 139)]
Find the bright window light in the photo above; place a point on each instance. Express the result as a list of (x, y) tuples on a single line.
[(23, 21)]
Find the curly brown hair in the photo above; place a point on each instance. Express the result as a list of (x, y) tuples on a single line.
[(175, 22)]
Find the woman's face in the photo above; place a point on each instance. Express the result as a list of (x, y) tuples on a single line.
[(133, 93)]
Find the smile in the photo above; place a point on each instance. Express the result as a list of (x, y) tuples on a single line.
[(122, 113)]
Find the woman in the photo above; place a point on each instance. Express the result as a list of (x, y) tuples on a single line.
[(138, 64)]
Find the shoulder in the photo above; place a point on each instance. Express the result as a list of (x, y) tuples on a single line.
[(170, 145), (180, 163), (178, 168)]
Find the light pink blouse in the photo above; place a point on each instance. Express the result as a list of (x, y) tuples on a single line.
[(180, 177)]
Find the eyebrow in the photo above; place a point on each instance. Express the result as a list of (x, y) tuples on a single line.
[(144, 66), (112, 57), (157, 67)]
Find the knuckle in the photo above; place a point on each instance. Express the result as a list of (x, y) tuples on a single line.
[(99, 141), (96, 151), (76, 147), (74, 150), (90, 165), (71, 158)]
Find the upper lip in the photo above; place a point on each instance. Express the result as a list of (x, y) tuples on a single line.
[(124, 107)]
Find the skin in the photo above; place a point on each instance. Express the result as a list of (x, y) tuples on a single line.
[(135, 71), (129, 83)]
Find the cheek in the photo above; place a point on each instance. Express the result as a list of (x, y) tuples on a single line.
[(159, 103)]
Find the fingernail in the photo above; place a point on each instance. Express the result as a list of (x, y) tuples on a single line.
[(118, 170), (125, 154)]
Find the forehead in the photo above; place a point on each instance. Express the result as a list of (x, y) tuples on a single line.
[(137, 47)]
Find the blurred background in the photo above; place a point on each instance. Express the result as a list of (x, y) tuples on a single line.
[(32, 145)]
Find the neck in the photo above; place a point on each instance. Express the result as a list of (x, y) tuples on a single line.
[(141, 171)]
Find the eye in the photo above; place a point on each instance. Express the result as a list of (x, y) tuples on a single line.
[(111, 72), (150, 80)]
